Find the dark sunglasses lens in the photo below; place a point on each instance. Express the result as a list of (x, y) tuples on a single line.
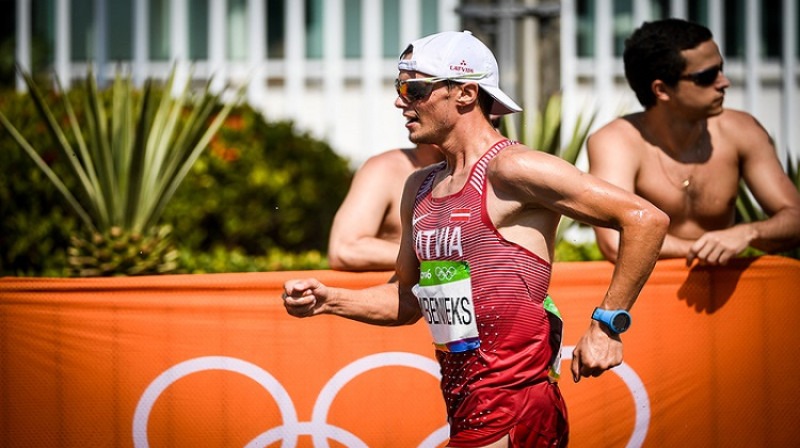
[(706, 77), (413, 91)]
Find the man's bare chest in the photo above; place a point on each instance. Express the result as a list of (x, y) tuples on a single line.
[(703, 192)]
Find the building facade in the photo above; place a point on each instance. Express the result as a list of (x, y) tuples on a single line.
[(329, 65)]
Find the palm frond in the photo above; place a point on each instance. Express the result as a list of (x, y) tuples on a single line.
[(131, 154)]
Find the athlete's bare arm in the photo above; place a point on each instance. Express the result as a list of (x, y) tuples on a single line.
[(537, 181), (387, 304), (366, 229)]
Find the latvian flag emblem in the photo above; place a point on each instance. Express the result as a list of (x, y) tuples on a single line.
[(459, 215)]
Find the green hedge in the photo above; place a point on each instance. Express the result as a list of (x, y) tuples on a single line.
[(34, 223), (260, 186), (261, 197)]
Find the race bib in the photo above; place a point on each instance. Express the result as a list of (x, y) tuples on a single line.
[(444, 293)]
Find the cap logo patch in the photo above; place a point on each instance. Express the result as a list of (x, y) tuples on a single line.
[(462, 67)]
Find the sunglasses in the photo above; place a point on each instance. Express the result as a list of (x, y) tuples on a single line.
[(416, 89), (704, 78)]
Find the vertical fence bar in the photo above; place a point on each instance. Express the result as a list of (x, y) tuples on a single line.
[(62, 42), (604, 61), (295, 68), (530, 72), (752, 59), (179, 43), (506, 51), (141, 40), (409, 21), (716, 24), (23, 45), (101, 41), (257, 36), (569, 68), (371, 49), (641, 12), (789, 143), (677, 9), (217, 42), (448, 19), (333, 62)]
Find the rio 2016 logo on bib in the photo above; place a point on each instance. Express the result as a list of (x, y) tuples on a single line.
[(445, 297)]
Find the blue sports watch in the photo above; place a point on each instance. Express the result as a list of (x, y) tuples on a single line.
[(617, 321)]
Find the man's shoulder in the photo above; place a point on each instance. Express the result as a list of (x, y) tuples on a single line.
[(626, 124), (623, 133), (740, 131), (392, 160), (736, 120)]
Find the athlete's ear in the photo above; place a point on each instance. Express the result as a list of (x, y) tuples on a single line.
[(468, 94)]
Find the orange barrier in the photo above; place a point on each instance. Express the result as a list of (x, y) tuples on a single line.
[(712, 359)]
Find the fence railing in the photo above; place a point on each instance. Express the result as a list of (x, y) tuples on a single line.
[(349, 101)]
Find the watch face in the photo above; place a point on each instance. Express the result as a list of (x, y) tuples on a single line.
[(621, 322)]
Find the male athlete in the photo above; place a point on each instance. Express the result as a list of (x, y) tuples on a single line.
[(476, 250)]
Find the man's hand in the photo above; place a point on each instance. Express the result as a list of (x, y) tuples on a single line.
[(719, 246), (304, 298), (598, 350)]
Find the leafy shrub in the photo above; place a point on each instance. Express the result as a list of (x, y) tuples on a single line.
[(261, 193), (35, 224), (260, 186), (222, 260)]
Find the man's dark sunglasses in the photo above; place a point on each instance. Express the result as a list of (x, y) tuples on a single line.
[(704, 78), (416, 88), (419, 88)]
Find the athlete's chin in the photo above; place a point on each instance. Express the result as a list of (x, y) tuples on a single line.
[(418, 139)]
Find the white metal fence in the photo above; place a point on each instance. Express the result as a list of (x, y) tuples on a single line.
[(349, 102)]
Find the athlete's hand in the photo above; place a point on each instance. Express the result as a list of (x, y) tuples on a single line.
[(304, 298), (718, 247), (598, 350)]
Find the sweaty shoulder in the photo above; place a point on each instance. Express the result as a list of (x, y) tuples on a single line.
[(518, 167)]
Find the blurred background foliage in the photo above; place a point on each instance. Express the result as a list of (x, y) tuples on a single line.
[(260, 198)]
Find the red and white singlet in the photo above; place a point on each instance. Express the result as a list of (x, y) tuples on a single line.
[(482, 297)]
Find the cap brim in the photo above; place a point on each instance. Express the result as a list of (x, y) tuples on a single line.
[(503, 104)]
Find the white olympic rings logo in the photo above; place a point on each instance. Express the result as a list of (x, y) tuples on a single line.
[(445, 274), (318, 428)]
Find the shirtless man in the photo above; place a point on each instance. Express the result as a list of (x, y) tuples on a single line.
[(366, 229), (475, 254), (686, 153)]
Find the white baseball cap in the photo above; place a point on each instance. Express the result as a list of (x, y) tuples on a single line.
[(459, 56)]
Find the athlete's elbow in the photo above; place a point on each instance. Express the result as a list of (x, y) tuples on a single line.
[(658, 221), (650, 221)]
